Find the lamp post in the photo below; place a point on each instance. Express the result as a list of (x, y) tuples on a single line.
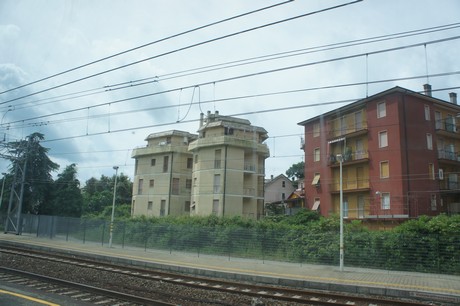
[(113, 206), (340, 159)]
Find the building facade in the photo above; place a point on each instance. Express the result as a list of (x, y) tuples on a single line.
[(220, 171), (228, 169), (398, 151), (163, 175), (278, 189)]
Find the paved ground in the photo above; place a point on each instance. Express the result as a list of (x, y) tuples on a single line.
[(434, 287)]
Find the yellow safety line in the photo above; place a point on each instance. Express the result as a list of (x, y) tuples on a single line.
[(227, 269), (28, 298)]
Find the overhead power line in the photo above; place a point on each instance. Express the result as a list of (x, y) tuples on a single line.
[(23, 124), (237, 63), (149, 44), (245, 76), (184, 48)]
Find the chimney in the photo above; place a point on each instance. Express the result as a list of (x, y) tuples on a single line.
[(217, 113), (271, 177), (201, 119), (427, 89), (453, 97)]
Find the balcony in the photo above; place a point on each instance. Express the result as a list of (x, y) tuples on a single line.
[(350, 185), (451, 182), (447, 129), (450, 155), (349, 157)]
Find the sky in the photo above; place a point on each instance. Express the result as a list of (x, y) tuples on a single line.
[(97, 77)]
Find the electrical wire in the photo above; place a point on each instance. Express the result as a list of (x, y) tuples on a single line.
[(251, 75), (182, 49), (149, 44), (232, 64)]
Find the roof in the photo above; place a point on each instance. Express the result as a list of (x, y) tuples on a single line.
[(171, 133), (277, 178), (396, 89), (215, 120)]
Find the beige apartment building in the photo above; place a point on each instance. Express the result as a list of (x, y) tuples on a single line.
[(163, 175), (220, 171), (228, 170)]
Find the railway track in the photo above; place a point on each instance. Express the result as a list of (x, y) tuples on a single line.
[(74, 291), (287, 295)]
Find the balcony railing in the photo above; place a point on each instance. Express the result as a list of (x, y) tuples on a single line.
[(349, 156), (347, 185), (336, 131), (451, 182), (448, 154)]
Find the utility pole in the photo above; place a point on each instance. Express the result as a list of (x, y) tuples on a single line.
[(13, 217)]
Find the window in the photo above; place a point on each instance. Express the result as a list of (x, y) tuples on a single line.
[(151, 183), (385, 200), (175, 186), (228, 131), (168, 139), (162, 207), (153, 161), (358, 120), (195, 180), (431, 171), (149, 205), (438, 120), (383, 139), (316, 129), (345, 207), (165, 163), (283, 184), (189, 163), (316, 204), (384, 169), (215, 207), (283, 196), (139, 187), (381, 110), (196, 158), (216, 183), (433, 202), (427, 112), (217, 158), (188, 184), (316, 155), (316, 178), (429, 141), (187, 206)]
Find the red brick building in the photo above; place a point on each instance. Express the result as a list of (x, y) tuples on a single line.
[(400, 152)]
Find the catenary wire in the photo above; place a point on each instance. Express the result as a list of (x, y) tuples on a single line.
[(181, 49), (249, 75), (150, 43), (214, 67)]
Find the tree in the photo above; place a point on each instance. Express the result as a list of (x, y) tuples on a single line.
[(38, 165), (296, 171), (98, 194), (67, 199)]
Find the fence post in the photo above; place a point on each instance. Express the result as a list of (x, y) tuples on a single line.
[(38, 225), (67, 230), (84, 231), (103, 232), (123, 237)]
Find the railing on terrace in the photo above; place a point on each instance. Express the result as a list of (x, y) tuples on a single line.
[(349, 156), (434, 253), (450, 155), (350, 185)]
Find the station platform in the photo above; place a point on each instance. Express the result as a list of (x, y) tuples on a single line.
[(438, 288)]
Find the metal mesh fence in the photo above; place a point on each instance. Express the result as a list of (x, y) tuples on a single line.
[(367, 249)]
